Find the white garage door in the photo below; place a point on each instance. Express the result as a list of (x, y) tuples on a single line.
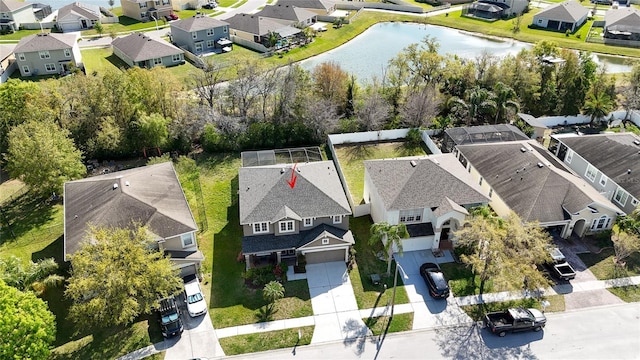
[(325, 256)]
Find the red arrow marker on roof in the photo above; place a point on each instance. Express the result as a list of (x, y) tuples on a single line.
[(292, 182)]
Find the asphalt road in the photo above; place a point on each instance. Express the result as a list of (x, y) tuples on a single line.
[(610, 332)]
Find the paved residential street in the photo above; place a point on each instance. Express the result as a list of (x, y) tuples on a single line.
[(610, 332)]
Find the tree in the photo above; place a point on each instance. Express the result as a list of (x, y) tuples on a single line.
[(273, 291), (153, 131), (373, 112), (28, 328), (17, 105), (272, 39), (390, 236), (99, 28), (420, 107), (330, 82), (504, 251), (205, 82), (624, 244), (42, 155), (117, 276), (31, 276), (505, 98), (597, 106)]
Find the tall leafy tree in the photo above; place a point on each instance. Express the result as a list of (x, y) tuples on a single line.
[(43, 156), (153, 131), (117, 276), (390, 236), (331, 82), (505, 99), (504, 251), (36, 276), (28, 327), (18, 104)]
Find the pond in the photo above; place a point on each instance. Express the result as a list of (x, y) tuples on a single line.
[(368, 54)]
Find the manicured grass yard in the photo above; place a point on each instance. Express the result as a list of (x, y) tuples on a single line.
[(602, 266), (629, 293), (367, 294), (243, 344), (476, 312), (352, 158), (399, 323)]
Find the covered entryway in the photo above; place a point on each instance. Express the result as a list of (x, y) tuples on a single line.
[(579, 228), (325, 256)]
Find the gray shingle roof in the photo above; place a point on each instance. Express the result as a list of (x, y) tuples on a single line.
[(613, 154), (197, 23), (622, 19), (568, 11), (91, 12), (309, 4), (45, 42), (254, 24), (403, 186), (149, 195), (140, 47), (265, 195), (285, 12), (534, 193), (11, 5), (267, 243)]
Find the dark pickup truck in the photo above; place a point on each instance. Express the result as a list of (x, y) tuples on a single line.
[(514, 320), (559, 267), (170, 322)]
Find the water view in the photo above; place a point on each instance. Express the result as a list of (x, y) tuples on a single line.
[(57, 4), (368, 54)]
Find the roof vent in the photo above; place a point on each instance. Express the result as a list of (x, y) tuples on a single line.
[(523, 149), (413, 163), (115, 186), (637, 142), (540, 165), (126, 183)]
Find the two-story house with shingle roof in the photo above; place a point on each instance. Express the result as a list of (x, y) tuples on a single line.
[(47, 54), (287, 210), (523, 177), (608, 162), (430, 195), (138, 49), (146, 10), (14, 13), (149, 196), (200, 34)]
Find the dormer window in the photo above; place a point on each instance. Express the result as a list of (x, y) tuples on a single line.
[(287, 226), (337, 219), (187, 240), (260, 228), (307, 222)]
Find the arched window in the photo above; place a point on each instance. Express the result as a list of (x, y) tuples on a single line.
[(600, 223)]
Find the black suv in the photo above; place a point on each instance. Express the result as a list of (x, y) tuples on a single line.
[(433, 277), (170, 317)]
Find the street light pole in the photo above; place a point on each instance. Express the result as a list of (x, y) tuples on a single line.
[(395, 283), (156, 20)]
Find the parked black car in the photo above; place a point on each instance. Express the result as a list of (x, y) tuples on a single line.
[(170, 317), (434, 278)]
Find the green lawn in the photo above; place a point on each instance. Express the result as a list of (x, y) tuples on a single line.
[(399, 323), (367, 294), (352, 158), (10, 188), (476, 312), (629, 293), (243, 344), (20, 34), (602, 266), (462, 281)]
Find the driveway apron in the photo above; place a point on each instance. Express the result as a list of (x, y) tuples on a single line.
[(334, 305)]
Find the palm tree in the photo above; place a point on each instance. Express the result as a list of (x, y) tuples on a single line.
[(390, 235), (598, 105), (480, 102), (272, 39), (505, 97), (32, 276), (273, 291)]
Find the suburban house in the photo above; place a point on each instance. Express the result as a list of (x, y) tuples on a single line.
[(523, 177), (149, 196), (256, 29), (145, 10), (608, 162), (495, 9), (480, 134), (288, 15), (14, 13), (137, 49), (7, 61), (568, 15), (47, 54), (319, 7), (200, 34), (291, 210), (77, 17), (622, 23), (431, 195)]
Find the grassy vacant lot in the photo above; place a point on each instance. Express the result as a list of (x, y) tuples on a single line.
[(629, 293), (399, 323), (352, 158), (367, 294), (476, 312), (243, 344), (504, 28), (602, 266)]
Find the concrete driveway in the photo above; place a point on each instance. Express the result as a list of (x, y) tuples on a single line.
[(335, 310), (428, 312)]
